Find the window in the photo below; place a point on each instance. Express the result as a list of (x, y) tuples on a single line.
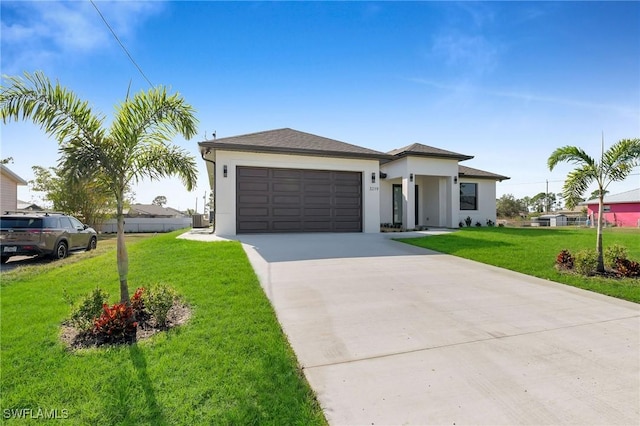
[(397, 204), (468, 196)]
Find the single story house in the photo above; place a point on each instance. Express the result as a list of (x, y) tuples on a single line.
[(9, 182), (285, 180), (153, 210), (619, 209)]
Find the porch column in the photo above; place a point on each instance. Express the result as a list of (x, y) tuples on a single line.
[(409, 198)]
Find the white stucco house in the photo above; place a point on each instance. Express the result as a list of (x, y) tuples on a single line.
[(9, 182), (285, 180)]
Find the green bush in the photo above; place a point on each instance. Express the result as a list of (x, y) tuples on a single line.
[(585, 262), (88, 309), (612, 254), (158, 300)]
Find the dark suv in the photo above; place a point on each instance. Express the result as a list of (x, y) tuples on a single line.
[(43, 233)]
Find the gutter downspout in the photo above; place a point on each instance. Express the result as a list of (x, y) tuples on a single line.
[(215, 181)]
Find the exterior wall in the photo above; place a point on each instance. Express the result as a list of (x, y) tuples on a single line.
[(438, 201), (623, 214), (8, 192), (226, 187), (486, 202)]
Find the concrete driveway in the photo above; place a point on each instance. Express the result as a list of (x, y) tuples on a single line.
[(389, 333)]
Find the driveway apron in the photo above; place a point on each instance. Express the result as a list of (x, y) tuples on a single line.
[(389, 333)]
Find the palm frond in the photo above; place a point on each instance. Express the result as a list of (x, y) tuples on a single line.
[(570, 154), (619, 160), (153, 116), (159, 160), (578, 181), (57, 110)]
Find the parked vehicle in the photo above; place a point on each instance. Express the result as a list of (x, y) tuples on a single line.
[(43, 233)]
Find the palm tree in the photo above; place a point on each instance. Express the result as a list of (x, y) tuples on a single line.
[(614, 166), (135, 146)]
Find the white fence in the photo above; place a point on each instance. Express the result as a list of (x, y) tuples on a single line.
[(147, 224)]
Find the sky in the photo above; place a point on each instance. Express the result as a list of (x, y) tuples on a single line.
[(506, 82)]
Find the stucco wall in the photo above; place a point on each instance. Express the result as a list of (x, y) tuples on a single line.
[(486, 202), (226, 187)]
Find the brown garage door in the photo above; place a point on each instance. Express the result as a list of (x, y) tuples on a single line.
[(292, 200)]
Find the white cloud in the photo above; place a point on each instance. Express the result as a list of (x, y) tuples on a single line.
[(33, 33)]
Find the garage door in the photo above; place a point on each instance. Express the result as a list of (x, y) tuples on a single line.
[(292, 200)]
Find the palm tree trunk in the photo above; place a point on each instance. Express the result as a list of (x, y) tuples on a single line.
[(122, 256), (600, 267)]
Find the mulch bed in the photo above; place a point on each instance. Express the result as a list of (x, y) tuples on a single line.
[(75, 339)]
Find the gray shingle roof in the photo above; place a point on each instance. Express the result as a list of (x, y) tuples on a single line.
[(632, 196), (480, 174), (427, 151), (289, 141)]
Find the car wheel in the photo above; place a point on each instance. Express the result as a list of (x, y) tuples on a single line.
[(4, 259), (61, 251), (93, 243)]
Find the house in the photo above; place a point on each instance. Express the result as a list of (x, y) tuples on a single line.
[(290, 181), (28, 206), (9, 182), (619, 209), (152, 210)]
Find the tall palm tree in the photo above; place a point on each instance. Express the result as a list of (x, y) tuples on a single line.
[(135, 146), (614, 165)]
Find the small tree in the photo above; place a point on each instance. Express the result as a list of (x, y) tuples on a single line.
[(160, 200), (135, 146), (508, 206), (614, 166)]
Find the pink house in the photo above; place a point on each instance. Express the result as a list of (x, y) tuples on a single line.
[(620, 209)]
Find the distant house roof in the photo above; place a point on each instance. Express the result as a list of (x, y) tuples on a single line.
[(465, 171), (427, 151), (7, 172), (26, 205), (289, 141), (153, 211), (632, 196)]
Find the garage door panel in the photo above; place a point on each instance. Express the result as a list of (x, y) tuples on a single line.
[(286, 187), (256, 186), (286, 199), (278, 212), (292, 200)]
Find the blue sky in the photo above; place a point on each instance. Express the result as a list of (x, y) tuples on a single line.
[(507, 82)]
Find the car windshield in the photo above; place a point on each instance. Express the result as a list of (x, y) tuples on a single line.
[(21, 222)]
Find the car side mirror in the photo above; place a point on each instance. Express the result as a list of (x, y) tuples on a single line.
[(85, 226)]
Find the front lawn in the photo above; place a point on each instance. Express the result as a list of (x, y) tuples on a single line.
[(230, 364), (533, 251)]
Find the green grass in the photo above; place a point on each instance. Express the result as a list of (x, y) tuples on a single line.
[(230, 364), (533, 251)]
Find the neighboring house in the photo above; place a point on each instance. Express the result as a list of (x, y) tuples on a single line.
[(9, 182), (289, 181), (619, 209), (24, 205), (152, 210)]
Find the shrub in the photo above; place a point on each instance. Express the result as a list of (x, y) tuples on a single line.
[(83, 315), (138, 306), (612, 254), (158, 300), (478, 224), (490, 223), (461, 224), (468, 221), (585, 262), (564, 260), (628, 268), (116, 324)]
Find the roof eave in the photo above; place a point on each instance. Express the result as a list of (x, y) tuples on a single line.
[(290, 151)]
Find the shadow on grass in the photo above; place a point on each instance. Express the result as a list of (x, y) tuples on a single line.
[(462, 242), (140, 366)]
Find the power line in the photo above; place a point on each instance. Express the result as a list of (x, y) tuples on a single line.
[(120, 43)]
